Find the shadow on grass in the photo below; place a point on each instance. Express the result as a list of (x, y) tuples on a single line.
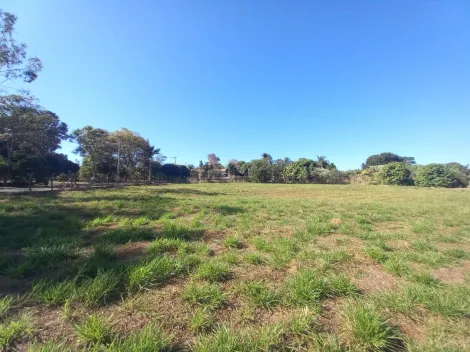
[(42, 238), (228, 210), (185, 191)]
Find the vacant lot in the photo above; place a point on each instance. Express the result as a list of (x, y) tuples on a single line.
[(236, 267)]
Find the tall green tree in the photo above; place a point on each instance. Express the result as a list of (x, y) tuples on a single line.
[(14, 63), (25, 126), (386, 158), (93, 143)]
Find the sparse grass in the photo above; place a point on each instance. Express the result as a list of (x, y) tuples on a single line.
[(450, 300), (55, 293), (397, 266), (201, 321), (341, 285), (13, 330), (164, 245), (49, 347), (94, 330), (233, 242), (367, 330), (377, 253), (208, 260), (213, 271), (254, 259), (6, 305), (151, 338), (305, 289), (222, 340), (208, 295), (100, 289), (260, 294), (303, 323), (151, 273)]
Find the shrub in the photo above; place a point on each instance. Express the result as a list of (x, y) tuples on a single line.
[(395, 174), (437, 175)]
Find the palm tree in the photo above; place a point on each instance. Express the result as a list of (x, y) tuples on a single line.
[(150, 152), (322, 162)]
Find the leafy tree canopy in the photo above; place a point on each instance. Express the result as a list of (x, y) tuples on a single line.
[(385, 158), (14, 63)]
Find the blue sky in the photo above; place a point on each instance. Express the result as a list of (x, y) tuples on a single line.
[(345, 79)]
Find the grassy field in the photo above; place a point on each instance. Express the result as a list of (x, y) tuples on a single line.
[(236, 267)]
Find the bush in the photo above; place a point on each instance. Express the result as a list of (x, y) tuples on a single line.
[(327, 176), (438, 175), (395, 174)]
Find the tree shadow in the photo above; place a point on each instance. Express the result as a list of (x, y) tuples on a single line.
[(228, 210), (186, 191)]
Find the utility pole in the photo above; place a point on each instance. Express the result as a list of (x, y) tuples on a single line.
[(173, 157)]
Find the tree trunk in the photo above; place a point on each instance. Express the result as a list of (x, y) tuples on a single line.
[(150, 169), (93, 168), (9, 162), (119, 161)]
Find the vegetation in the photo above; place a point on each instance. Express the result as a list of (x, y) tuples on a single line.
[(386, 158), (210, 266), (395, 173)]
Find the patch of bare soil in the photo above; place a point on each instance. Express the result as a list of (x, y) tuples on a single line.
[(52, 326), (374, 279), (330, 318), (132, 250), (412, 328), (389, 227), (455, 275), (334, 241), (261, 272), (399, 244)]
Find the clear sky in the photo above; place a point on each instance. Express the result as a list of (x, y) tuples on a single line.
[(345, 79)]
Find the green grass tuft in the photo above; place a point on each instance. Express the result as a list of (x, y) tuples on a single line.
[(340, 285), (151, 339), (6, 305), (254, 259), (303, 323), (94, 331), (397, 266), (305, 289), (233, 242), (367, 330), (376, 253), (13, 330), (201, 321), (260, 294), (213, 271), (99, 290), (54, 294), (208, 295), (164, 245), (151, 273)]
